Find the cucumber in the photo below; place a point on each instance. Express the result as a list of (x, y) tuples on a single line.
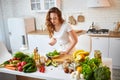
[(32, 68), (25, 67)]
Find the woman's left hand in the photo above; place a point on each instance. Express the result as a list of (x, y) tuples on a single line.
[(52, 41)]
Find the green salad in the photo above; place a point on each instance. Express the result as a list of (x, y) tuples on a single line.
[(54, 53)]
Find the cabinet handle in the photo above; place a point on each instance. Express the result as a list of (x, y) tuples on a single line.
[(23, 39)]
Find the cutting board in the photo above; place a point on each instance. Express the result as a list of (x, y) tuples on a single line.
[(80, 18), (61, 58)]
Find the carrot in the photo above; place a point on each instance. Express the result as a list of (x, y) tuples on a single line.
[(10, 67)]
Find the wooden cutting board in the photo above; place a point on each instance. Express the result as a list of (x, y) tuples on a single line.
[(81, 18), (61, 58)]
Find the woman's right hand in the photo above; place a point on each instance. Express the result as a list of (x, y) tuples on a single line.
[(63, 52), (52, 41)]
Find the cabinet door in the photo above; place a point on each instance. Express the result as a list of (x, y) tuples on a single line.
[(100, 43), (114, 52), (44, 5)]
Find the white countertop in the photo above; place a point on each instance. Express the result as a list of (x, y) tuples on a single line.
[(52, 73)]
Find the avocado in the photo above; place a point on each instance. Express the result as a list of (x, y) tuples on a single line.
[(48, 62)]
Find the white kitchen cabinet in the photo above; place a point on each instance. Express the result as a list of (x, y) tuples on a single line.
[(44, 5), (18, 28), (40, 41), (114, 52), (102, 44)]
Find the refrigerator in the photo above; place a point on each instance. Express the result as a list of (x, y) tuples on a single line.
[(18, 30)]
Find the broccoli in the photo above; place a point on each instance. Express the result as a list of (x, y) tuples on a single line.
[(87, 71), (88, 67), (102, 73)]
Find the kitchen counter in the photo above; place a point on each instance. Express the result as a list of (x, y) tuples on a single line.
[(40, 32), (114, 34), (110, 34), (52, 73), (80, 32)]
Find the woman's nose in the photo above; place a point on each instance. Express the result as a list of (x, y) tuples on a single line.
[(52, 21)]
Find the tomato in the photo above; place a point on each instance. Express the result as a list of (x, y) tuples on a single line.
[(42, 69)]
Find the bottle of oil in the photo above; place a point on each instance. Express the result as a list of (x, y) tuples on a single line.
[(36, 57)]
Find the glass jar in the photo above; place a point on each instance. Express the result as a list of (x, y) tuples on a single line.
[(97, 54)]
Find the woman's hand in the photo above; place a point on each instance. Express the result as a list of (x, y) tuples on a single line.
[(52, 41), (63, 52)]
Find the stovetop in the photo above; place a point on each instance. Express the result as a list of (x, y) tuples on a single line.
[(99, 31)]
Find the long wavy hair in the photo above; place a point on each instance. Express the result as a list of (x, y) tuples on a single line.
[(49, 25)]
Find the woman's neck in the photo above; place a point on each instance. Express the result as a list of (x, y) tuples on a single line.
[(57, 27)]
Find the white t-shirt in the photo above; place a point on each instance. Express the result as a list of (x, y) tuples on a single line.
[(63, 40)]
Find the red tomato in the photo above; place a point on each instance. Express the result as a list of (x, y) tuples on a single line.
[(42, 69)]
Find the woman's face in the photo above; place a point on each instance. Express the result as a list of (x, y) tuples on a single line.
[(54, 18)]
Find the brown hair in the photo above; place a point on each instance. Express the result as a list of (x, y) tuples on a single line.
[(50, 26)]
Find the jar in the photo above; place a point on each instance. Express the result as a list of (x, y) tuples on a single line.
[(97, 54)]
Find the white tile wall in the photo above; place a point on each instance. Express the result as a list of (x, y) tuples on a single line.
[(103, 17)]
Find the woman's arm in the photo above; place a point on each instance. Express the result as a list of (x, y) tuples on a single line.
[(74, 40)]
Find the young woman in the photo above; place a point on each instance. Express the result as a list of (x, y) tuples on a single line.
[(60, 32)]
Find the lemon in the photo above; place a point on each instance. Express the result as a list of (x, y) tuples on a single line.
[(79, 69)]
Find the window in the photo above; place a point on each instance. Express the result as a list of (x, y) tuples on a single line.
[(44, 5)]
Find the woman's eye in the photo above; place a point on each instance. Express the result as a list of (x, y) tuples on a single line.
[(53, 18)]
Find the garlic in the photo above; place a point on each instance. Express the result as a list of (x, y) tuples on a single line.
[(81, 76), (75, 75)]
